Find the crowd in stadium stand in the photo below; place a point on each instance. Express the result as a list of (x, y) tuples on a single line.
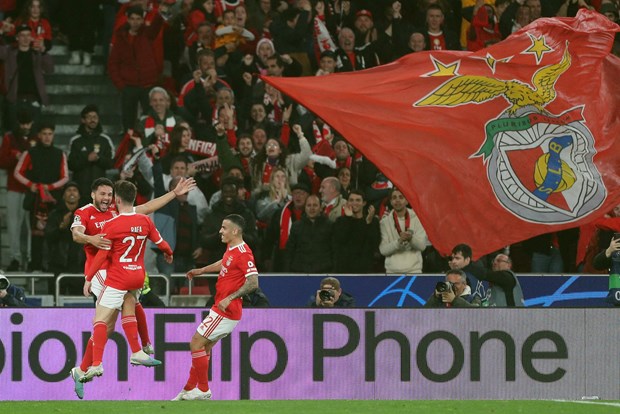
[(192, 103)]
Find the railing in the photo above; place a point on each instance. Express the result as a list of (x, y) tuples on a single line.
[(61, 299), (15, 276)]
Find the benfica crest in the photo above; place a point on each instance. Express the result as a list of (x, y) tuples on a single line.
[(539, 164)]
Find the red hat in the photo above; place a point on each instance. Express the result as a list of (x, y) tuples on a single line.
[(363, 12)]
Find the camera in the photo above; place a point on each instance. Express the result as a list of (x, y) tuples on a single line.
[(325, 295), (4, 282), (443, 287)]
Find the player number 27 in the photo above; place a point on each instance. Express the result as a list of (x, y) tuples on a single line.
[(132, 242)]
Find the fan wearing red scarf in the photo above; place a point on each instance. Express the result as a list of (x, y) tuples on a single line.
[(403, 238)]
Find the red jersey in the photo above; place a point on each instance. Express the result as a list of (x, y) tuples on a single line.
[(237, 264), (92, 220), (128, 233), (438, 42)]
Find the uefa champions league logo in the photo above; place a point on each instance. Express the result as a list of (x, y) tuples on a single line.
[(540, 165)]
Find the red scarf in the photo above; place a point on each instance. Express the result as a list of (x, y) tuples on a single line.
[(397, 224), (288, 216), (267, 172), (345, 163)]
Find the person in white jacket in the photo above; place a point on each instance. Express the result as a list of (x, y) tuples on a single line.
[(403, 238)]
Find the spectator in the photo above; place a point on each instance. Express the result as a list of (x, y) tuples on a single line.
[(132, 65), (205, 39), (157, 124), (40, 28), (291, 32), (273, 197), (344, 177), (177, 222), (332, 199), (309, 248), (327, 63), (416, 43), (275, 154), (460, 259), (13, 146), (230, 33), (403, 238), (197, 97), (356, 236), (65, 256), (452, 293), (439, 37), (255, 299), (484, 30), (81, 27), (609, 259), (365, 30), (179, 167), (504, 287), (180, 137), (331, 295), (351, 58), (11, 296), (279, 227), (91, 152), (202, 12), (43, 169), (24, 67)]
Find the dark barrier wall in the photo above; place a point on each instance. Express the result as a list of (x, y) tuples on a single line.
[(383, 291), (321, 354)]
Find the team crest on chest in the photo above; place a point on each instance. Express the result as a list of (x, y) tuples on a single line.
[(539, 165)]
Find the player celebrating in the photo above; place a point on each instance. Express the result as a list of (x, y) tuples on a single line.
[(86, 229), (127, 233), (238, 276)]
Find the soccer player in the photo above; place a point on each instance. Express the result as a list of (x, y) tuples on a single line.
[(127, 233), (86, 229), (237, 277)]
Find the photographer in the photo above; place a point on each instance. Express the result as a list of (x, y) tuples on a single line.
[(11, 296), (610, 259), (330, 295), (452, 293)]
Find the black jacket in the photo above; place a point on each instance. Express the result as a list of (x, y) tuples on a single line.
[(354, 244), (309, 248), (84, 171)]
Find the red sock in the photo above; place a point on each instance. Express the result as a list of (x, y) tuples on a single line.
[(130, 326), (192, 380), (143, 328), (87, 359), (200, 361), (100, 337)]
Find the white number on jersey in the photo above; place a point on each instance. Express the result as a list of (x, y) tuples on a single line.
[(132, 242)]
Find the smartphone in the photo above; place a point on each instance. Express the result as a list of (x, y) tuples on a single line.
[(616, 236)]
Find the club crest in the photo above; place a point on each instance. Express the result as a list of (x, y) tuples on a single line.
[(539, 165)]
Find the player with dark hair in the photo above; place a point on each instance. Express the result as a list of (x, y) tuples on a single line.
[(86, 229), (237, 277), (127, 232)]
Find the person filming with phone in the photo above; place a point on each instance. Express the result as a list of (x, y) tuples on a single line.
[(453, 292), (330, 295), (610, 259)]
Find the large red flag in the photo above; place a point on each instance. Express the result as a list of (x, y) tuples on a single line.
[(491, 147)]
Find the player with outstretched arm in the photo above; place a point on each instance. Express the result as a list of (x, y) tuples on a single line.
[(127, 233), (237, 277)]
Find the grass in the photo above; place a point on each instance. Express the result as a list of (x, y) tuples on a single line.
[(310, 407)]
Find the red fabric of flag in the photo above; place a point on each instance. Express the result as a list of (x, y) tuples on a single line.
[(492, 147)]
